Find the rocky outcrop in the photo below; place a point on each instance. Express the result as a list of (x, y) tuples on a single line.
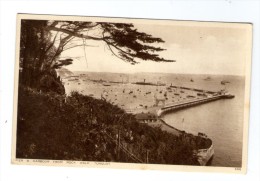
[(51, 82)]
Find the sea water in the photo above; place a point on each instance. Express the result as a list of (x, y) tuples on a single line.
[(221, 120)]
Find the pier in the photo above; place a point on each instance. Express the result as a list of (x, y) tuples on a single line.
[(152, 116), (190, 103)]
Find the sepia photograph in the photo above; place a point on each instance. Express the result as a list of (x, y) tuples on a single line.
[(131, 93)]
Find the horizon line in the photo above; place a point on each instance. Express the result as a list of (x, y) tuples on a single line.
[(157, 73)]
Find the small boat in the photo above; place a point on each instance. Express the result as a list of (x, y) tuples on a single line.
[(106, 84), (207, 78), (223, 82), (190, 96), (71, 79)]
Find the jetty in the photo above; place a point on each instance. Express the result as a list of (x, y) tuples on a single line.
[(191, 102)]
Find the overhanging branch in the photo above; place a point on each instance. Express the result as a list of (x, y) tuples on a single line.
[(76, 34), (78, 46)]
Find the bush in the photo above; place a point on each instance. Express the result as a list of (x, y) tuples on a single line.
[(84, 128)]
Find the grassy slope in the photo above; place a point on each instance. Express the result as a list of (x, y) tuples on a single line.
[(49, 129)]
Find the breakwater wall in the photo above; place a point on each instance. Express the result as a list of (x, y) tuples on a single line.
[(190, 103)]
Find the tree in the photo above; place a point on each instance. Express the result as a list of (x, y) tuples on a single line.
[(124, 41), (42, 43)]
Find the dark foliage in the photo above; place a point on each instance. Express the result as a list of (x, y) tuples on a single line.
[(85, 128)]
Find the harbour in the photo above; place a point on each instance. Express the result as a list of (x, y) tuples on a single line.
[(195, 98)]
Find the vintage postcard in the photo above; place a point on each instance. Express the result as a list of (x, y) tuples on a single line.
[(131, 93)]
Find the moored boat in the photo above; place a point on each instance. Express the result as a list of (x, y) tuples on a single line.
[(104, 84)]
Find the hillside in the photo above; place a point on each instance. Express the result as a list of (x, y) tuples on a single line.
[(84, 128)]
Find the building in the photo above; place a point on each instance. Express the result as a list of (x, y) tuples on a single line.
[(146, 117)]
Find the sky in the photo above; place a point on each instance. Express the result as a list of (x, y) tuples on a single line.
[(197, 48)]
